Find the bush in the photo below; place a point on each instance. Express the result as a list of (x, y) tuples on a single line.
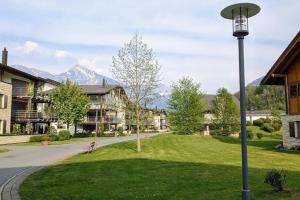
[(53, 137), (83, 134), (52, 130), (64, 135), (45, 138), (277, 125), (250, 134), (216, 132), (120, 130), (258, 122), (276, 178), (249, 123), (267, 127), (16, 130), (36, 138), (259, 135)]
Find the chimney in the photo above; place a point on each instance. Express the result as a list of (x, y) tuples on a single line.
[(4, 56)]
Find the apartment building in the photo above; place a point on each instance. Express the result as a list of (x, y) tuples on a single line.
[(107, 106), (22, 100)]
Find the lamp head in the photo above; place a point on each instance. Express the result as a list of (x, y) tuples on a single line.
[(239, 14)]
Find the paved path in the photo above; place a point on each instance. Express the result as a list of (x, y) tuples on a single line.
[(17, 164)]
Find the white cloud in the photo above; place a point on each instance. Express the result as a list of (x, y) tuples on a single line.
[(62, 54), (28, 47)]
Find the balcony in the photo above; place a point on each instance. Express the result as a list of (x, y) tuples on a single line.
[(31, 116), (105, 120), (22, 92)]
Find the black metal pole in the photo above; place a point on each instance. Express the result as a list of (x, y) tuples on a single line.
[(245, 191)]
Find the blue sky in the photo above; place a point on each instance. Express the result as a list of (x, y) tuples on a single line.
[(189, 37)]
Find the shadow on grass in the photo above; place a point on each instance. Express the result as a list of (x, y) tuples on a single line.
[(263, 143), (145, 179)]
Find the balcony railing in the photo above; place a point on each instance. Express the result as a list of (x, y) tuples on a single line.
[(22, 92), (31, 116), (108, 120)]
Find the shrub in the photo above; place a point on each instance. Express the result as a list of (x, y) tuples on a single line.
[(258, 122), (216, 132), (16, 130), (277, 125), (259, 135), (276, 178), (53, 137), (267, 127), (45, 138), (250, 134), (84, 134), (36, 138), (120, 130), (52, 130), (249, 123), (64, 135)]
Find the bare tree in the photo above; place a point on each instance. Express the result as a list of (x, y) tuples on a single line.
[(137, 69)]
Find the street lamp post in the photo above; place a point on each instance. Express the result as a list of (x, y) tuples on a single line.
[(239, 14)]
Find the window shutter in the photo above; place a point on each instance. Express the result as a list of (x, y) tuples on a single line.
[(4, 127), (292, 129), (5, 101)]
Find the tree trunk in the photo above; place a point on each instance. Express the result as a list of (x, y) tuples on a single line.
[(138, 142), (68, 125), (75, 124)]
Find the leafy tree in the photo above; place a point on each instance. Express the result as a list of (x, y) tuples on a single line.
[(186, 107), (69, 103), (265, 97), (226, 112), (137, 69)]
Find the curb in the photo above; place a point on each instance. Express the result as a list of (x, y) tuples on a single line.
[(9, 190)]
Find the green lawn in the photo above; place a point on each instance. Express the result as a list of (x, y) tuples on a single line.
[(170, 167), (3, 150), (72, 140)]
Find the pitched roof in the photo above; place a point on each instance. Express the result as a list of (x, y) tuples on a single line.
[(27, 75), (97, 89), (283, 62)]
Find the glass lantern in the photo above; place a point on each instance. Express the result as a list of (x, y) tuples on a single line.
[(240, 21)]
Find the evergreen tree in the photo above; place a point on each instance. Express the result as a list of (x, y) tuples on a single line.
[(186, 106), (225, 112)]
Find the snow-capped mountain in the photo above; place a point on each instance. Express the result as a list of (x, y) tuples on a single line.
[(79, 74), (84, 76)]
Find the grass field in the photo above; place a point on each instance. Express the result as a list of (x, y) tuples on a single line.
[(170, 167), (3, 150)]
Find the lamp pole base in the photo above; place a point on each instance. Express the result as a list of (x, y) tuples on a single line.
[(245, 194)]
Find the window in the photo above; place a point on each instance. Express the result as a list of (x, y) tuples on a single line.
[(297, 135), (1, 100), (293, 90), (298, 90), (292, 129)]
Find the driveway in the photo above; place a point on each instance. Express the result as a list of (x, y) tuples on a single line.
[(24, 160)]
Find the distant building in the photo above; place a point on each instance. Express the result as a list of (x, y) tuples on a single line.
[(22, 100), (286, 71), (107, 106)]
